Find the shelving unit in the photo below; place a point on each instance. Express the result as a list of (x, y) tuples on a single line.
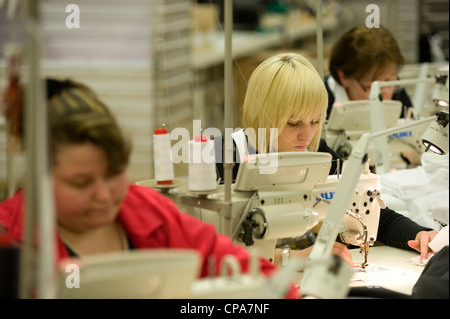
[(110, 52), (171, 25), (246, 43)]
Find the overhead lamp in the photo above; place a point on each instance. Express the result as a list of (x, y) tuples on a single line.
[(435, 137)]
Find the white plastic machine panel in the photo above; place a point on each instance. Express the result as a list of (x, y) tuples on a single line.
[(355, 115), (302, 169)]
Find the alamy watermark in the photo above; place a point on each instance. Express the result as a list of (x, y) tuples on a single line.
[(373, 19), (73, 19), (73, 277)]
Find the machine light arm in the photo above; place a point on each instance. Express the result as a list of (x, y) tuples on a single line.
[(436, 136)]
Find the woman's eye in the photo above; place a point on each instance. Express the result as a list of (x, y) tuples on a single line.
[(81, 184), (298, 124)]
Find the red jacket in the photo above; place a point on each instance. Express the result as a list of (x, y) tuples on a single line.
[(151, 220)]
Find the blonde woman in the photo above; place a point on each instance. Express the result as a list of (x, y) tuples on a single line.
[(285, 92)]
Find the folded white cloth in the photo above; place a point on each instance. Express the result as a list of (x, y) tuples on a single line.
[(421, 203), (423, 191), (431, 161), (395, 203)]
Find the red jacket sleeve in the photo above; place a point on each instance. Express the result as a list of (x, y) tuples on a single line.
[(11, 215)]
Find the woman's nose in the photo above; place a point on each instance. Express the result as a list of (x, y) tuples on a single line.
[(102, 190), (305, 132), (387, 93)]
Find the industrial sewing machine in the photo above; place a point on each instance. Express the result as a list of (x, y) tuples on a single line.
[(268, 205), (350, 120)]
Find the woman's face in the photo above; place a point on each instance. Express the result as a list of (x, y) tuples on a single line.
[(359, 89), (296, 136), (85, 196)]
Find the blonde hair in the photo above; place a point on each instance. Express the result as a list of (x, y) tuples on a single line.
[(285, 88)]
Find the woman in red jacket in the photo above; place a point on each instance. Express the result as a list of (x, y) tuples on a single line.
[(97, 210)]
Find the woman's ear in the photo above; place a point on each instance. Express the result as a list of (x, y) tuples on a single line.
[(342, 79)]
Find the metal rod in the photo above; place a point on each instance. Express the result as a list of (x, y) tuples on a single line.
[(38, 258), (320, 58), (405, 82), (319, 37), (421, 90), (228, 94)]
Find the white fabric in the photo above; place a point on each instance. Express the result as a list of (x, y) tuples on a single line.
[(422, 193)]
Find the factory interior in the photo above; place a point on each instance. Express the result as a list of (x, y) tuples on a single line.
[(174, 73)]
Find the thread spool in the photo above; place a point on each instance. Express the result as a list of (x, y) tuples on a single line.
[(202, 165), (164, 172)]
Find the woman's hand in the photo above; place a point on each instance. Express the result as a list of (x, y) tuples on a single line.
[(421, 243), (342, 251)]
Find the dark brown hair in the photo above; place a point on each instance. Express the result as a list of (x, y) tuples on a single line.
[(361, 49)]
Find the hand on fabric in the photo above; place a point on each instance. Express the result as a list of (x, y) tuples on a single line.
[(342, 251), (421, 242)]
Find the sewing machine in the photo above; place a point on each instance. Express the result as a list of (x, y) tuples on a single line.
[(435, 138), (268, 205), (350, 120), (166, 274)]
